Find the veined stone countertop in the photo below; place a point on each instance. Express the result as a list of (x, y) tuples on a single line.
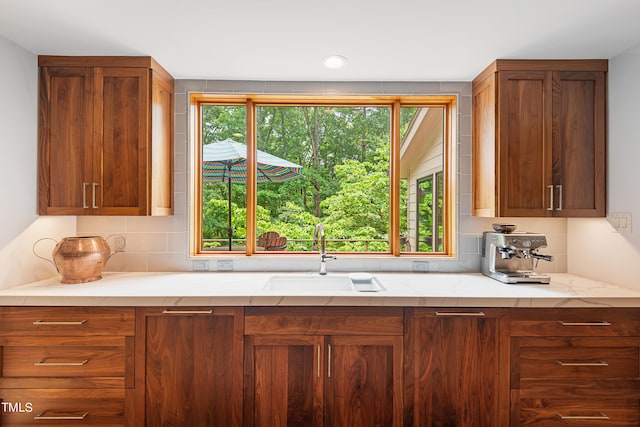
[(247, 289)]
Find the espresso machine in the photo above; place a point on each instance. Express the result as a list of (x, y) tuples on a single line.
[(510, 257)]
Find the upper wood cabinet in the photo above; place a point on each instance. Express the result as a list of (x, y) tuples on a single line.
[(105, 136), (539, 139)]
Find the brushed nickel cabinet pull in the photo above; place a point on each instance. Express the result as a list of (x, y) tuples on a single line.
[(93, 194), (329, 361), (84, 195), (42, 416), (596, 323), (550, 187), (319, 360), (43, 363), (601, 416), (460, 313), (599, 363), (210, 311), (59, 323), (559, 187)]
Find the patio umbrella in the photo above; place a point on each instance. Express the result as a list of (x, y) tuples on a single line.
[(226, 161)]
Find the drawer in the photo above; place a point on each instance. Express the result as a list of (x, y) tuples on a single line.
[(83, 361), (580, 362), (79, 321), (56, 407), (575, 322), (575, 362), (323, 321), (560, 412)]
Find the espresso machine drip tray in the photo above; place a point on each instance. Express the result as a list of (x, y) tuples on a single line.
[(513, 277)]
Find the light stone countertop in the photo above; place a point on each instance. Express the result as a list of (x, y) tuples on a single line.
[(246, 289)]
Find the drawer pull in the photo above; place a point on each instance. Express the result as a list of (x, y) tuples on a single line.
[(187, 311), (599, 363), (43, 363), (598, 323), (601, 416), (42, 416), (46, 323), (460, 313)]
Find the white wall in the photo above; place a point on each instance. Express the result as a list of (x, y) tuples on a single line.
[(595, 249), (20, 226)]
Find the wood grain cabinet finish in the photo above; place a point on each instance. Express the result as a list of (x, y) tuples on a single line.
[(452, 368), (575, 367), (189, 367), (323, 367), (105, 136), (67, 366), (539, 139)]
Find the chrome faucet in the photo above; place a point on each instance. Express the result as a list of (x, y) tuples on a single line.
[(319, 232)]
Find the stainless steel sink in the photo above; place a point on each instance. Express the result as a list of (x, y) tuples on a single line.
[(314, 282)]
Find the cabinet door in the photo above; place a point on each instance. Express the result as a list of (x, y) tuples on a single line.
[(524, 124), (284, 380), (364, 381), (452, 369), (189, 367), (122, 122), (579, 143), (65, 135)]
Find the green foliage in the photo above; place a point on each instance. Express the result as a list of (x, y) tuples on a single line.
[(344, 152)]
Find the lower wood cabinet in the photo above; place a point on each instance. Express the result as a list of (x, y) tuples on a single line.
[(319, 366), (323, 367), (63, 366), (189, 367), (575, 367), (452, 367)]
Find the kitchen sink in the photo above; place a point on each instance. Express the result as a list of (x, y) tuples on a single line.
[(314, 282)]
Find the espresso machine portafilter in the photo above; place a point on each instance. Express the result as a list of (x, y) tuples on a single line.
[(512, 257)]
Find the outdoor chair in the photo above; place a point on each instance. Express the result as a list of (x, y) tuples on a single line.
[(272, 241)]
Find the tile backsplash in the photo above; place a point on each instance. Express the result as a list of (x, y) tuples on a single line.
[(161, 243)]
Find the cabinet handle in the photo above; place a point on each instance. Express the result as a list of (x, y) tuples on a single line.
[(62, 323), (329, 361), (210, 311), (596, 323), (319, 360), (93, 194), (559, 187), (550, 187), (460, 313), (42, 416), (601, 416), (84, 195), (599, 363), (43, 363)]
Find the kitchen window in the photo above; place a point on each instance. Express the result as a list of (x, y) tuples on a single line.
[(267, 169)]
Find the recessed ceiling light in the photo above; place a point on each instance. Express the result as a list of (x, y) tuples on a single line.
[(334, 61)]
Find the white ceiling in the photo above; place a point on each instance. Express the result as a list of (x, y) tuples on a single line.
[(388, 40)]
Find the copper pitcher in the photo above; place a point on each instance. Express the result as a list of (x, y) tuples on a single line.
[(81, 259)]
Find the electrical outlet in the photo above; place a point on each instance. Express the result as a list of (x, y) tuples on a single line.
[(420, 266), (224, 265), (621, 221), (200, 265)]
